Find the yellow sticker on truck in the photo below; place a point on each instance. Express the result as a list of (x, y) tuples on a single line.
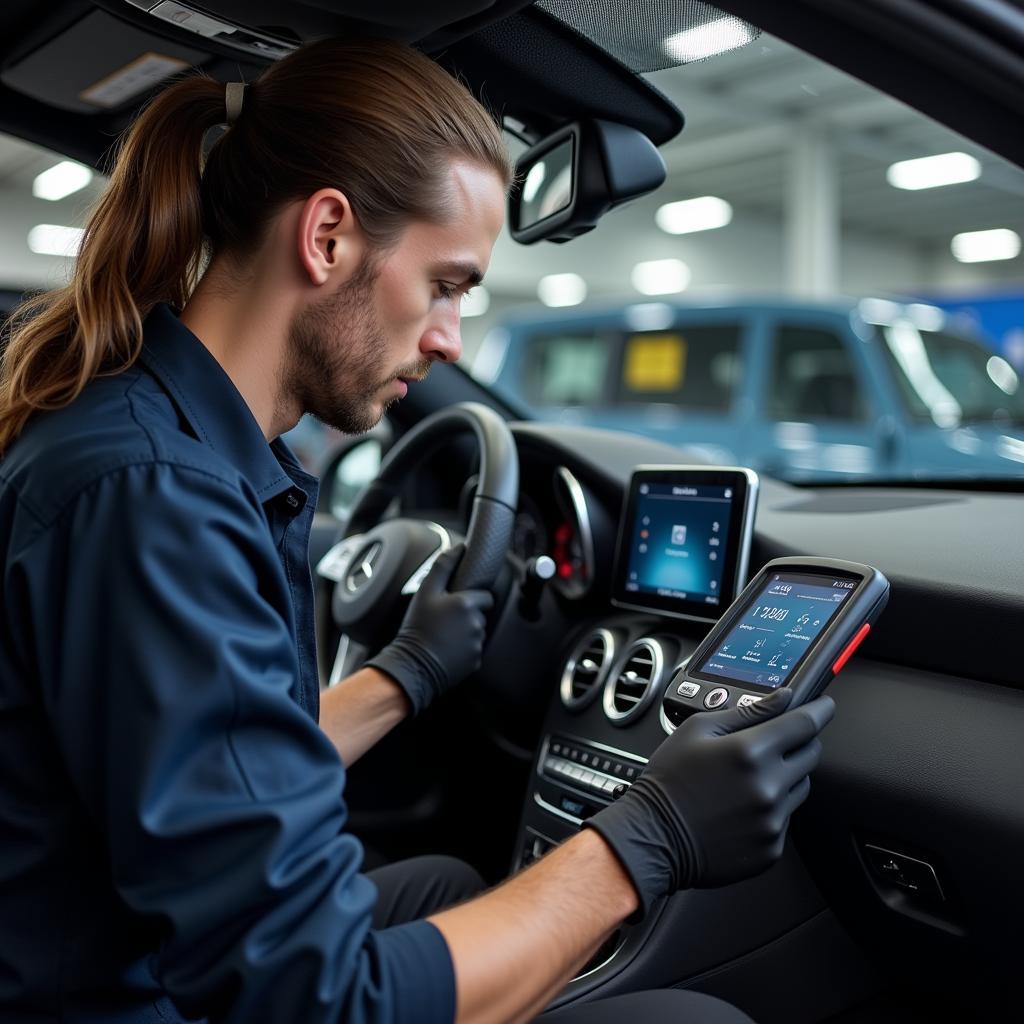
[(655, 362)]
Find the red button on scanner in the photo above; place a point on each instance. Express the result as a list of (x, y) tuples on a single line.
[(850, 648)]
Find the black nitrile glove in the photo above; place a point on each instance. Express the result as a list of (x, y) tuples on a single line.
[(441, 640), (713, 804)]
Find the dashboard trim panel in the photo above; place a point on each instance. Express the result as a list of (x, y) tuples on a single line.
[(578, 501)]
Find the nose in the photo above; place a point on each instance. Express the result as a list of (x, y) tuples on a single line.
[(443, 342)]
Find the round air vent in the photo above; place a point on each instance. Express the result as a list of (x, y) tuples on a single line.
[(633, 685), (585, 670)]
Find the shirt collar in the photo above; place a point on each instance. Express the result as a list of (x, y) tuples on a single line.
[(209, 401)]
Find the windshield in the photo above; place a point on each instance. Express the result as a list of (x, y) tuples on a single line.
[(828, 286), (949, 381)]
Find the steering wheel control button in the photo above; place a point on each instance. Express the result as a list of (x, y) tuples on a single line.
[(747, 699), (688, 690), (717, 698), (848, 650)]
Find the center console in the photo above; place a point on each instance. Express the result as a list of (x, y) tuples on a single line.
[(682, 557)]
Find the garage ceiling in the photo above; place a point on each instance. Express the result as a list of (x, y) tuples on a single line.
[(744, 111)]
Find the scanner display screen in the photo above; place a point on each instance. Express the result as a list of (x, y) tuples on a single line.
[(777, 629)]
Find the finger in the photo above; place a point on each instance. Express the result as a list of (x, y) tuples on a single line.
[(443, 569), (482, 600), (803, 761), (795, 797), (723, 722), (797, 727), (822, 709)]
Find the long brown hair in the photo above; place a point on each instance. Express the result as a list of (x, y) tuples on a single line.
[(374, 118)]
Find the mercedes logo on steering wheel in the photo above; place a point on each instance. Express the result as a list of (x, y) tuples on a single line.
[(363, 566)]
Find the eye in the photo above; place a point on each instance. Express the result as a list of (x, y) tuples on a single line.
[(446, 290)]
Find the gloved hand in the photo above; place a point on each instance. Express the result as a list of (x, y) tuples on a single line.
[(441, 639), (713, 804)]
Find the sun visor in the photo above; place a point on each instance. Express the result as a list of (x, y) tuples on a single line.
[(97, 65)]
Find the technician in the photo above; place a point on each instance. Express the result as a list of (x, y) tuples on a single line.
[(173, 836)]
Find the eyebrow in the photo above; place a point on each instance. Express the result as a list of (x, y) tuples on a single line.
[(469, 273)]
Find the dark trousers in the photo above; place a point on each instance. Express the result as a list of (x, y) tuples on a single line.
[(416, 888)]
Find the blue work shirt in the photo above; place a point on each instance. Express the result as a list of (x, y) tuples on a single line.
[(172, 821)]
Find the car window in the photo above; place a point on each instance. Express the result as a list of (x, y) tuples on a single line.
[(949, 380), (694, 368), (813, 377), (567, 369)]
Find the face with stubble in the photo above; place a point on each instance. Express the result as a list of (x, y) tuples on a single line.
[(354, 353)]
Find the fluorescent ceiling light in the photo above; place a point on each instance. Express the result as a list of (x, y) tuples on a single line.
[(534, 180), (476, 302), (61, 180), (906, 344), (982, 246), (1003, 375), (925, 317), (649, 316), (55, 240), (705, 40), (660, 277), (881, 312), (562, 290), (688, 215), (933, 171)]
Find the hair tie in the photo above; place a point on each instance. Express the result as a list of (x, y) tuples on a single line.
[(234, 93)]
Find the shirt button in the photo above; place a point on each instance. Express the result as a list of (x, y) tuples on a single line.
[(291, 500)]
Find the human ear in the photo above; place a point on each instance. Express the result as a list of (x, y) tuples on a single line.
[(330, 243)]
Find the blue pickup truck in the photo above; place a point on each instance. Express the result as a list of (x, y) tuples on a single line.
[(871, 388)]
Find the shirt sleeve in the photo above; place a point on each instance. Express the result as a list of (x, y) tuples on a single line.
[(166, 663)]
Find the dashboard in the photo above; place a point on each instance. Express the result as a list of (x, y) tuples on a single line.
[(904, 861), (918, 765)]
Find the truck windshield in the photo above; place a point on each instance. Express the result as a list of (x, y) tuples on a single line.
[(948, 380)]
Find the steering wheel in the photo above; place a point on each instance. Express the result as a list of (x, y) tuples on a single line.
[(378, 563)]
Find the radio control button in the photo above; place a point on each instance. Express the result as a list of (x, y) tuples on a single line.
[(716, 698), (688, 689), (747, 699)]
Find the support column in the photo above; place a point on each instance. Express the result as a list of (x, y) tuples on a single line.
[(811, 230)]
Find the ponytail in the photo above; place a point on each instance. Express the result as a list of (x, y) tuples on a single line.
[(375, 118), (142, 245)]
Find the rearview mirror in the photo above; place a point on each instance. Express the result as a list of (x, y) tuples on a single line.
[(569, 180)]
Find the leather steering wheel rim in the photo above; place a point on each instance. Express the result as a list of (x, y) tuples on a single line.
[(492, 519)]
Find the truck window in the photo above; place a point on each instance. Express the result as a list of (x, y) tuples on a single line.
[(813, 377), (694, 368), (567, 369)]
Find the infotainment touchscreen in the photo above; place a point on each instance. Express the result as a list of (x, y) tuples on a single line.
[(684, 539), (779, 625)]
